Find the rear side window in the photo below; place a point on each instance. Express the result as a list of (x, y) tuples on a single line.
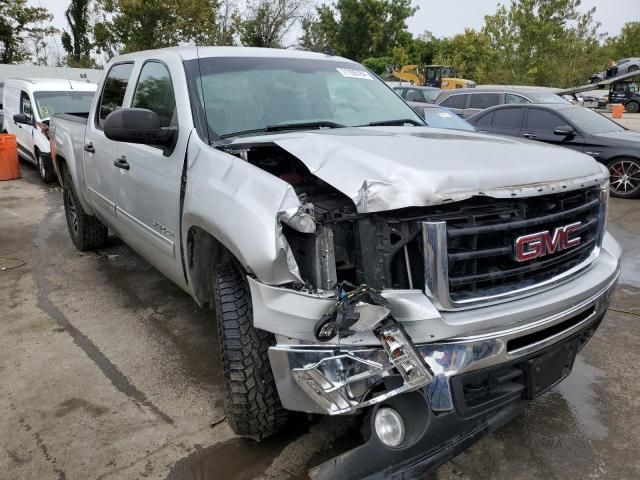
[(455, 101), (115, 86), (543, 121), (25, 105), (508, 118), (414, 95), (515, 99), (155, 92), (484, 100), (485, 121)]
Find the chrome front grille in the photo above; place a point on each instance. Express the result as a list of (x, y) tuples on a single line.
[(470, 255)]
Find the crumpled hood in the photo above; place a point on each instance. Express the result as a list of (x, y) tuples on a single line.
[(386, 168)]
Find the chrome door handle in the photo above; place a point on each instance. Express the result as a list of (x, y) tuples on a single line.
[(89, 148), (529, 135)]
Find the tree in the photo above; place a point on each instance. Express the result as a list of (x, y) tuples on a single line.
[(77, 42), (19, 25), (627, 44), (359, 29), (378, 65), (133, 25), (268, 21)]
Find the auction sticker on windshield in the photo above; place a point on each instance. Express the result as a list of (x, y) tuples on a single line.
[(353, 73)]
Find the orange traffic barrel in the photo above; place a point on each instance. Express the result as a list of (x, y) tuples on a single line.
[(616, 110), (9, 165)]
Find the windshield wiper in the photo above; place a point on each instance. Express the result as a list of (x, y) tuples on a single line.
[(399, 121), (286, 126)]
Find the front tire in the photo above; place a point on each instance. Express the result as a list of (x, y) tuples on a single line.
[(251, 400), (624, 177), (87, 232), (45, 167)]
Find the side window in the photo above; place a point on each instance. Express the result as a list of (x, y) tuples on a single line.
[(543, 121), (399, 91), (155, 92), (508, 117), (484, 100), (484, 121), (113, 91), (455, 101), (515, 99), (25, 105), (414, 95)]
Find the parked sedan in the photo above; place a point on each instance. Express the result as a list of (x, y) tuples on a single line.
[(573, 127)]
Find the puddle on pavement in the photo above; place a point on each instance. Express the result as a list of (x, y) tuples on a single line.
[(577, 390), (630, 243), (236, 459)]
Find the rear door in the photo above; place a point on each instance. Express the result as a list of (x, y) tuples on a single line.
[(149, 178), (508, 121), (102, 177), (456, 102), (540, 125)]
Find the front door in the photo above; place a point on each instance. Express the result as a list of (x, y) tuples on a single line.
[(101, 175), (148, 202), (24, 132), (540, 125)]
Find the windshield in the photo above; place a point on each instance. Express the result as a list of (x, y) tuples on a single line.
[(547, 98), (430, 94), (245, 95), (49, 103), (590, 121), (443, 118)]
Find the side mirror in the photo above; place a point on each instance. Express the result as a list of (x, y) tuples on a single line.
[(139, 125), (565, 131), (21, 118)]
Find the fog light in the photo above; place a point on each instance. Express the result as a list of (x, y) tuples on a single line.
[(389, 427)]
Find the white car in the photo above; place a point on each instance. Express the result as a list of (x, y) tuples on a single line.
[(27, 105)]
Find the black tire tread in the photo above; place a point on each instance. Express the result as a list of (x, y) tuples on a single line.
[(252, 403), (92, 234), (49, 173)]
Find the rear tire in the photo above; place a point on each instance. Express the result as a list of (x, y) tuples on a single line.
[(624, 177), (633, 68), (87, 232), (45, 167), (251, 400), (632, 107)]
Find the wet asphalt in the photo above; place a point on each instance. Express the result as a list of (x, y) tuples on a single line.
[(109, 371)]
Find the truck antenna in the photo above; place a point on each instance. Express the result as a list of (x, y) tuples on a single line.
[(64, 72)]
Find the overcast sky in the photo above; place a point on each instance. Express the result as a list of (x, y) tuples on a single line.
[(445, 18)]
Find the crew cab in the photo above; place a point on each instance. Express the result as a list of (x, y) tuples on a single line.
[(358, 261), (27, 106)]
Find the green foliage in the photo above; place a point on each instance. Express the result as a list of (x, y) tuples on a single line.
[(358, 29), (378, 65), (627, 44), (21, 25), (77, 42), (268, 21)]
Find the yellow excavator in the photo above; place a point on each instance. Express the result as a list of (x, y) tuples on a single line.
[(440, 76)]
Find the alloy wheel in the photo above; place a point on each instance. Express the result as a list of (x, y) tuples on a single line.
[(624, 177)]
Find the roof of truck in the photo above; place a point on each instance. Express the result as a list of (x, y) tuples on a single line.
[(189, 53), (51, 84)]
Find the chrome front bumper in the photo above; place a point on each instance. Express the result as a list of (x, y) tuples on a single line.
[(346, 374)]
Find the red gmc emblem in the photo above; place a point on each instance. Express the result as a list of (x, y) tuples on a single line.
[(540, 244)]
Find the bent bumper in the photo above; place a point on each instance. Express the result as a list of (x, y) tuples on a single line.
[(433, 439)]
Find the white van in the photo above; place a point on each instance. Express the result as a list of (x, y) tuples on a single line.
[(27, 106)]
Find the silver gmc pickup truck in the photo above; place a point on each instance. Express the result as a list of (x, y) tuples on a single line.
[(427, 282)]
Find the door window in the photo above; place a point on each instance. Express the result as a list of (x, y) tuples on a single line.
[(113, 91), (508, 117), (25, 106), (515, 99), (543, 121), (485, 121), (155, 92), (484, 100), (455, 101)]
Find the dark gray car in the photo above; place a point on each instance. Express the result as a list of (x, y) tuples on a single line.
[(573, 127), (412, 93), (469, 101)]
